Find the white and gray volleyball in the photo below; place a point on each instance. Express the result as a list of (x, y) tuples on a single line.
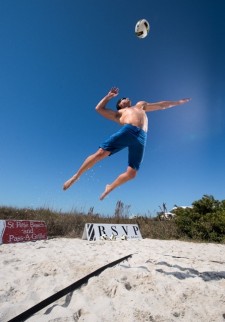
[(104, 237), (112, 237), (142, 28)]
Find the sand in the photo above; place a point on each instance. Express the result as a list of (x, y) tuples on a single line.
[(164, 281)]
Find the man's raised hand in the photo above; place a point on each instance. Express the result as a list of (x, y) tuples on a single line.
[(113, 92), (184, 100)]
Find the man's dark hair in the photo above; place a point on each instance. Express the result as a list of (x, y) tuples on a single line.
[(118, 103)]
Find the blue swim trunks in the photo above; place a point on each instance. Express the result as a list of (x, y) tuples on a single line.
[(131, 137)]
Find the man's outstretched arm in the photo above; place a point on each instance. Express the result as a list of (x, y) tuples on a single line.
[(149, 107), (101, 106)]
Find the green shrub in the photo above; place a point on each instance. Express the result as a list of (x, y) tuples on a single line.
[(205, 221)]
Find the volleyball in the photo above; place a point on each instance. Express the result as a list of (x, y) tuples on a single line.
[(123, 237), (112, 237), (104, 237), (142, 28)]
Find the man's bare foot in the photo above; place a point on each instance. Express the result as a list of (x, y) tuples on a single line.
[(108, 189), (69, 182)]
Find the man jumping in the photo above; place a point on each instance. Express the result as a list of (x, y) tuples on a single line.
[(132, 135)]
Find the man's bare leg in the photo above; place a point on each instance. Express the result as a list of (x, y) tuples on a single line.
[(88, 163), (122, 178)]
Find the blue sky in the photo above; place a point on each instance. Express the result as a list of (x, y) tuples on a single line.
[(58, 58)]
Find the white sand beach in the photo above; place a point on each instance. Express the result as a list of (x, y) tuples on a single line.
[(164, 281)]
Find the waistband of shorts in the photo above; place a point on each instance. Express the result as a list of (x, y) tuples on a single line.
[(131, 126)]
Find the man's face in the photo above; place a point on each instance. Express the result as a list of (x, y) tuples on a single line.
[(125, 102)]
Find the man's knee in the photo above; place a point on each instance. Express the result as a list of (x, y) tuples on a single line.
[(131, 172), (100, 154)]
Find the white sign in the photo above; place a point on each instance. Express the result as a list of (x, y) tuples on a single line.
[(95, 231), (2, 229)]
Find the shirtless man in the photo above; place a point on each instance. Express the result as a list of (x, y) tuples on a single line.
[(132, 135)]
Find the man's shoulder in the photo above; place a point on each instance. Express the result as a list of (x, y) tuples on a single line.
[(141, 102), (140, 105)]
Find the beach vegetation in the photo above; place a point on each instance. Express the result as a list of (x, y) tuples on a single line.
[(204, 221)]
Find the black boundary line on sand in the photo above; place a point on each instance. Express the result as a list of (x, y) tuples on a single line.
[(34, 309)]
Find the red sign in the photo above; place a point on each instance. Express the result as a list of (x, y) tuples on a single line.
[(14, 231)]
